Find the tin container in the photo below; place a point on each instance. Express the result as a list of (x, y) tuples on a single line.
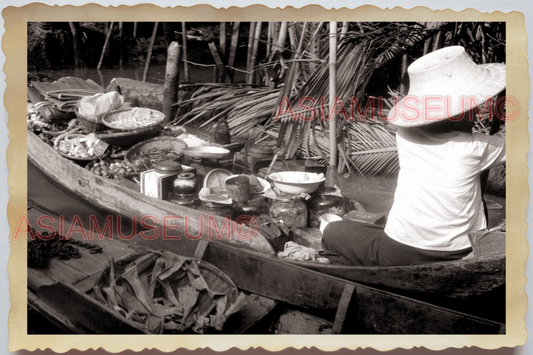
[(158, 182)]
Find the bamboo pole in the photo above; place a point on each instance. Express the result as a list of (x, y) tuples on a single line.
[(250, 47), (269, 39), (292, 37), (332, 94), (106, 43), (282, 36), (149, 54), (344, 29), (403, 78), (218, 61), (184, 40), (298, 55), (172, 75), (254, 52), (120, 45), (275, 35), (222, 34), (233, 48)]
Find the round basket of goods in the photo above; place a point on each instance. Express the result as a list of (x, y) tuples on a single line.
[(77, 146), (144, 155), (165, 293), (130, 126), (133, 118)]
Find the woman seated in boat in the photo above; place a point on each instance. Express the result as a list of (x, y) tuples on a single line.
[(438, 199)]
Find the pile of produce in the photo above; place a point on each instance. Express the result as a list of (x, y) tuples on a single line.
[(77, 145), (136, 118), (112, 170), (147, 159)]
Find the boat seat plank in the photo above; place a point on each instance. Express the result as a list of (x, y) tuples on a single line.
[(55, 270), (342, 309), (255, 308)]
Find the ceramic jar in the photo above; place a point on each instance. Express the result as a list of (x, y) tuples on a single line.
[(325, 200), (185, 186), (290, 209)]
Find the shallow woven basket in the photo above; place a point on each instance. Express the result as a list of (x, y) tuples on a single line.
[(163, 142), (214, 278), (110, 118)]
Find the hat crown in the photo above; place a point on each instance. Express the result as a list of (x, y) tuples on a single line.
[(442, 72), (445, 83)]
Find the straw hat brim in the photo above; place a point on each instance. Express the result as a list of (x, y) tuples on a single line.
[(449, 93)]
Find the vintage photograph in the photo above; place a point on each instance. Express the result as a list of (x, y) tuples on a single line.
[(194, 177), (266, 177)]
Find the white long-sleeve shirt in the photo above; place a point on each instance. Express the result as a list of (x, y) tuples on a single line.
[(438, 200)]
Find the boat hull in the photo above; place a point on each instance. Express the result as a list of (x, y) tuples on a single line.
[(110, 196), (449, 280)]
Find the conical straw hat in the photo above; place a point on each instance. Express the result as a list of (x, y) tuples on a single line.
[(444, 84)]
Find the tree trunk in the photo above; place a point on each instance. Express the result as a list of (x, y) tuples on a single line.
[(79, 61), (172, 76)]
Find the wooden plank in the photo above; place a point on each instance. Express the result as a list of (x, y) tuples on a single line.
[(54, 271), (255, 308), (87, 315), (201, 249), (342, 309), (293, 321)]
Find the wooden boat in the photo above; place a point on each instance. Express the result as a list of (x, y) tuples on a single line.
[(62, 292), (448, 280)]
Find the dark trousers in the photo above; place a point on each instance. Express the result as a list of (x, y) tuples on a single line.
[(354, 243)]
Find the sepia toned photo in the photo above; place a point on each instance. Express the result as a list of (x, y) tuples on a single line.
[(299, 176)]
